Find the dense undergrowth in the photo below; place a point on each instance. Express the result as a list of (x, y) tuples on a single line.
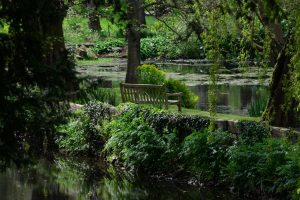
[(147, 139)]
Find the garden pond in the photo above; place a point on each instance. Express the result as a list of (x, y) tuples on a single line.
[(237, 88), (64, 179)]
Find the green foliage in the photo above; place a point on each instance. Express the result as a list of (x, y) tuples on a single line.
[(163, 47), (155, 47), (256, 167), (189, 99), (83, 134), (147, 138), (162, 121), (150, 74), (76, 29), (91, 91), (252, 132), (138, 145), (256, 108), (288, 174), (107, 46), (36, 75), (205, 153)]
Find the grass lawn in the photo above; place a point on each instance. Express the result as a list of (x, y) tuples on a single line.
[(186, 111), (94, 62)]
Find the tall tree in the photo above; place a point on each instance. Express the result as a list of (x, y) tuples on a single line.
[(93, 15), (277, 19), (133, 37), (36, 75)]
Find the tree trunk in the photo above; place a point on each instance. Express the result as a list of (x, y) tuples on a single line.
[(142, 15), (94, 20), (134, 37), (280, 110)]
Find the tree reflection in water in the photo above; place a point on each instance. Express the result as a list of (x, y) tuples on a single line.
[(65, 179)]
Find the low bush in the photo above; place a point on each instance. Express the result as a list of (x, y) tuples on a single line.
[(107, 46), (150, 74), (82, 134), (162, 121), (205, 154), (91, 91), (252, 132), (164, 47), (288, 181), (189, 99), (155, 47), (138, 146), (255, 168)]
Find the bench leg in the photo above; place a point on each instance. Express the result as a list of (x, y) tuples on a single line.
[(179, 107), (166, 105)]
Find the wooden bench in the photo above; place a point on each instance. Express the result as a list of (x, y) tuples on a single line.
[(149, 94)]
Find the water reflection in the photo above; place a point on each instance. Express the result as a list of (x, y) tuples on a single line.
[(233, 99), (67, 180)]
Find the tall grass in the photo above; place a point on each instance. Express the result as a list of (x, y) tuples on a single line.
[(256, 108)]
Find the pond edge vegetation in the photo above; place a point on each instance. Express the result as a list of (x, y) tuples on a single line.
[(147, 140)]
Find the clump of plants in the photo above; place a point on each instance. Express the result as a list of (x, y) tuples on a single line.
[(90, 90), (108, 46), (252, 132), (151, 74), (256, 108), (205, 153), (83, 133), (146, 138), (189, 99), (256, 168)]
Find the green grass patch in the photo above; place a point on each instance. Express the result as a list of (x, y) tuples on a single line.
[(94, 62), (187, 111)]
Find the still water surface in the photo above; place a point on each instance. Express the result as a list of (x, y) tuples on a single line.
[(67, 180), (232, 99)]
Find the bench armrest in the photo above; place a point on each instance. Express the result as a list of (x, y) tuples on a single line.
[(178, 94)]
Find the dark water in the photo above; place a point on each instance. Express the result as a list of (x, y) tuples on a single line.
[(65, 180), (232, 99)]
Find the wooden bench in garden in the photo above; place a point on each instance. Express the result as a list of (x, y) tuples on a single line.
[(149, 94)]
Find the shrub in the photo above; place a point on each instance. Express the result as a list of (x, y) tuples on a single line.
[(254, 167), (189, 99), (138, 145), (82, 134), (108, 45), (164, 47), (155, 47), (252, 132), (205, 154), (150, 74), (162, 121), (288, 181), (91, 91)]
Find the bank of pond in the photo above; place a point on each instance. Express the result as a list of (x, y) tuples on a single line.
[(142, 152)]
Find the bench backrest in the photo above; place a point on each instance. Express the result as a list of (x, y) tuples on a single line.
[(143, 93)]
